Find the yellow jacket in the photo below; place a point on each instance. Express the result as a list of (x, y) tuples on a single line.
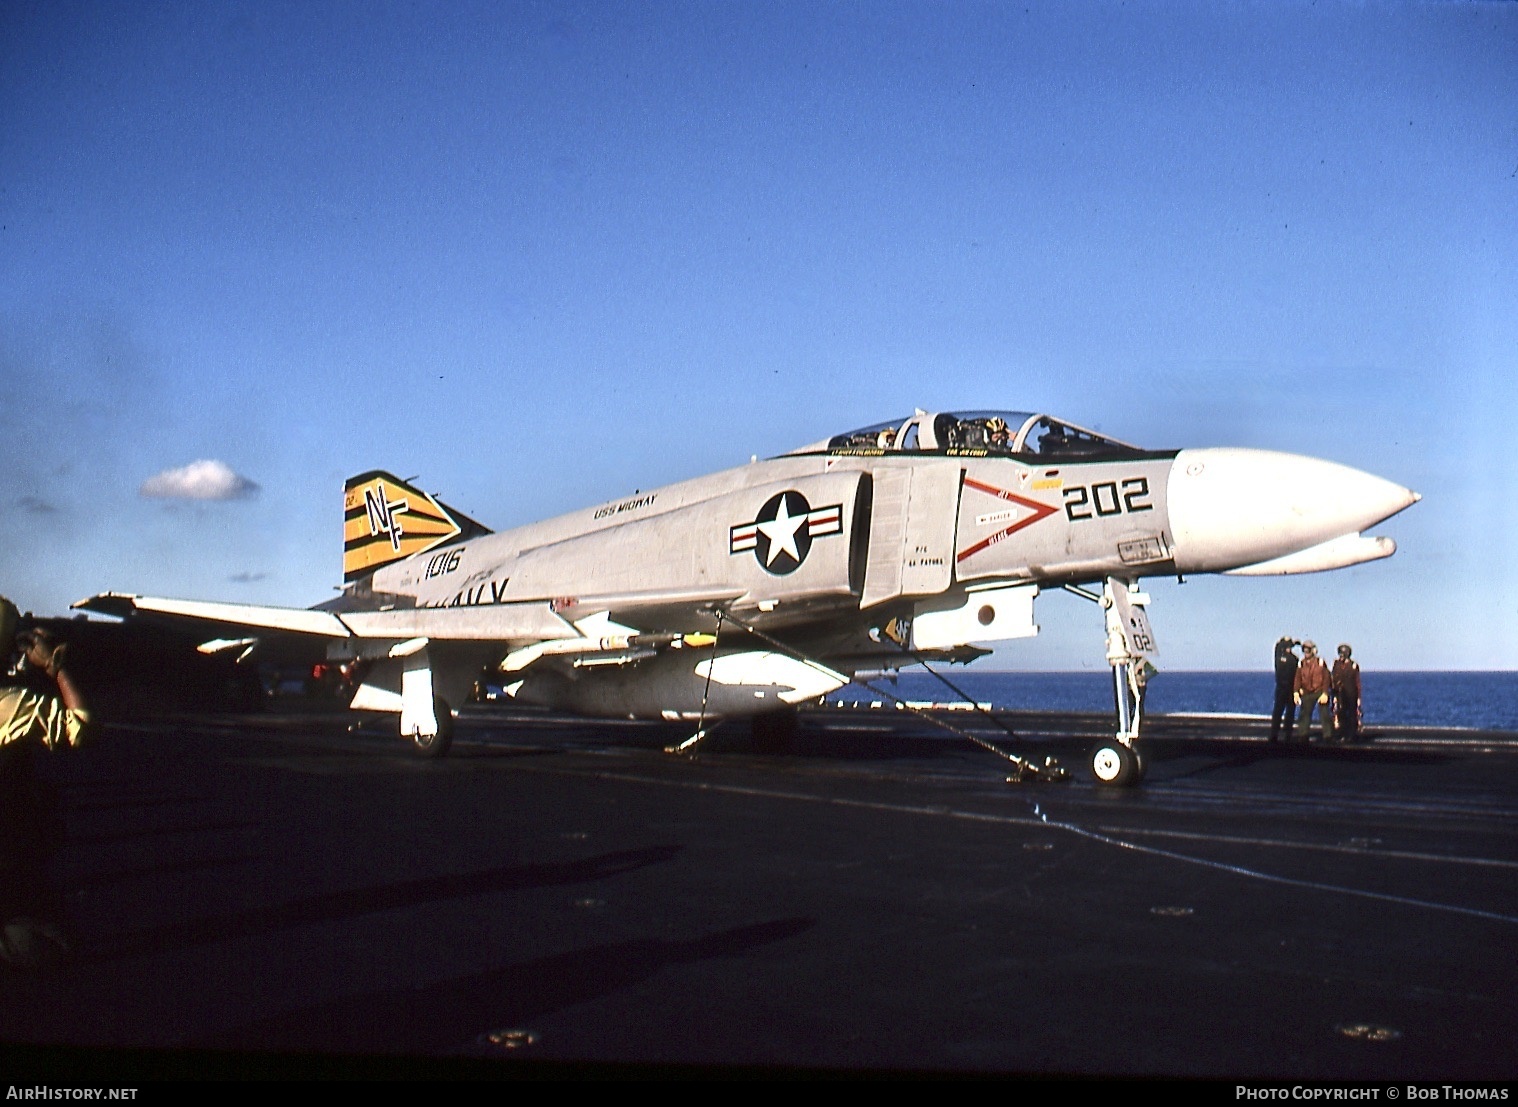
[(25, 713)]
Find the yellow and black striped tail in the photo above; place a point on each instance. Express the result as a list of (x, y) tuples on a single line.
[(385, 520)]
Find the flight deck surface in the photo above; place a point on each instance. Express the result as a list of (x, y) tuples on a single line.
[(272, 894)]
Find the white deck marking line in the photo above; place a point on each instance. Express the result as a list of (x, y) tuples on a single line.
[(1321, 847), (1041, 819), (1385, 897)]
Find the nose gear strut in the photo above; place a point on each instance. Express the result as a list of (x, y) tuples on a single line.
[(1130, 641)]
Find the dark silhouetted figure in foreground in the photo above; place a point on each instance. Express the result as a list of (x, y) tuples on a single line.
[(40, 708), (1286, 678)]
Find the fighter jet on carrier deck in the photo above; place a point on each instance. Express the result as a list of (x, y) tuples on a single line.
[(755, 589)]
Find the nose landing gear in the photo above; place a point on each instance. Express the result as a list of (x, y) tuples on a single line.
[(1116, 762)]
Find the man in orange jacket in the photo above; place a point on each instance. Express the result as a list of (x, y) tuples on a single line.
[(1312, 692)]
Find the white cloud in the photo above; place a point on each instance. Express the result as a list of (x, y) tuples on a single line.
[(199, 480)]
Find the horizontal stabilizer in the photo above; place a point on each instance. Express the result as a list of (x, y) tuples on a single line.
[(295, 620), (484, 622)]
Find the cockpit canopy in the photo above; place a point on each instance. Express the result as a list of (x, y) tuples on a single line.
[(979, 433)]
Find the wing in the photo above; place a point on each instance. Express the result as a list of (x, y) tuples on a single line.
[(504, 622)]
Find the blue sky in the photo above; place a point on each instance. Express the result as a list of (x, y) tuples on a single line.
[(544, 254)]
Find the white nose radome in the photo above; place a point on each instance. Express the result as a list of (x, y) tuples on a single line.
[(1230, 508)]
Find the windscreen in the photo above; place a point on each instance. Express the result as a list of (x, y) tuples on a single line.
[(1013, 433)]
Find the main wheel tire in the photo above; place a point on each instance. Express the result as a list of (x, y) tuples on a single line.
[(1115, 765), (433, 746)]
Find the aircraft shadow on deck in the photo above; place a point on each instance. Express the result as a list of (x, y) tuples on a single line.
[(123, 876), (821, 736), (149, 832), (451, 1016), (334, 906)]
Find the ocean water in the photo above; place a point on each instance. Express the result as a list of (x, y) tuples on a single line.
[(1482, 701)]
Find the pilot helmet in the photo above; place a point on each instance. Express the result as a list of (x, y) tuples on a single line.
[(996, 424), (1309, 647), (1344, 650)]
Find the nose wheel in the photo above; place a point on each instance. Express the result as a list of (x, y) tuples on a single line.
[(1116, 765)]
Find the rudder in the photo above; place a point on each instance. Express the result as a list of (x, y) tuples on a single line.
[(387, 520)]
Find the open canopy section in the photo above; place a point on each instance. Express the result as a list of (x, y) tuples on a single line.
[(980, 433)]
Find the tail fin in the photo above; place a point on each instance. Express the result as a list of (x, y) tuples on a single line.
[(385, 519)]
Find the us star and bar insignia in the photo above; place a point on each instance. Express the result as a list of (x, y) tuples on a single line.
[(781, 533)]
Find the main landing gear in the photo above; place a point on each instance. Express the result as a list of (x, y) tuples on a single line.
[(430, 731), (435, 745)]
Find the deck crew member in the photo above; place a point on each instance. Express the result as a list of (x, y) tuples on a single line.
[(1345, 680), (1286, 677), (39, 706), (1311, 692)]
